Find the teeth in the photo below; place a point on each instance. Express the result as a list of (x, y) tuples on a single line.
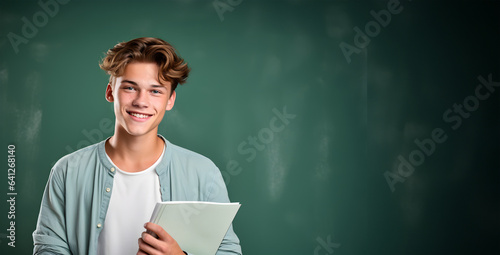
[(138, 115)]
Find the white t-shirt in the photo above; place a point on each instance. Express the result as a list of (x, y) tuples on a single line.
[(132, 201)]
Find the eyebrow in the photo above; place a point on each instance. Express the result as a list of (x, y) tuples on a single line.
[(135, 84)]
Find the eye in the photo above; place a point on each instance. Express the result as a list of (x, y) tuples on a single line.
[(128, 88), (155, 91)]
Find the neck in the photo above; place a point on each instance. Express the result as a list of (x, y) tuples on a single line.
[(134, 153)]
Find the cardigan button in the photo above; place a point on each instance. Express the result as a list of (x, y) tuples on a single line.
[(108, 189), (112, 169), (99, 225)]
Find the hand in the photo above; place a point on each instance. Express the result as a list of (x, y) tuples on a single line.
[(164, 245)]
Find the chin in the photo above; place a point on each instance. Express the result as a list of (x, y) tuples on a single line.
[(136, 132)]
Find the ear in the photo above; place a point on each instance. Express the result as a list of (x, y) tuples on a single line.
[(171, 101), (109, 93)]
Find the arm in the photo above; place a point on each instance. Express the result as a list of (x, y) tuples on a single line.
[(50, 234)]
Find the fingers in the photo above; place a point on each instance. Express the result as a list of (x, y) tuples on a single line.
[(158, 230), (145, 249), (164, 244), (151, 244), (141, 252), (150, 241)]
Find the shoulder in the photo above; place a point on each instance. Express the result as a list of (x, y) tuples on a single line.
[(76, 159), (183, 155), (196, 171), (188, 165)]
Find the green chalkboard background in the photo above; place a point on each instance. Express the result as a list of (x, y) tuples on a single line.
[(363, 84)]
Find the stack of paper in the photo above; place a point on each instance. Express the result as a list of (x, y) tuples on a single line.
[(198, 227)]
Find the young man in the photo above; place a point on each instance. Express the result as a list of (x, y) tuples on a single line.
[(98, 200)]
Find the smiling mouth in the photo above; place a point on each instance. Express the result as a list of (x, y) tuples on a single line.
[(139, 115)]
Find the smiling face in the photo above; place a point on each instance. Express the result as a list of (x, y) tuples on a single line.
[(140, 100)]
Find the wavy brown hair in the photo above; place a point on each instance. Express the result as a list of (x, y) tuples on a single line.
[(171, 66)]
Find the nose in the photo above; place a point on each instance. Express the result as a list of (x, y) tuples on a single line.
[(141, 100)]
